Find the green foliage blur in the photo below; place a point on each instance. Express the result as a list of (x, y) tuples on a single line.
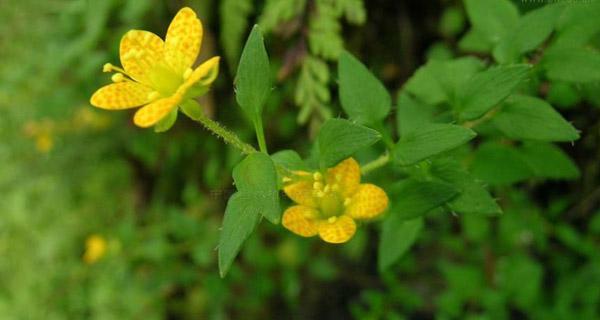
[(70, 171)]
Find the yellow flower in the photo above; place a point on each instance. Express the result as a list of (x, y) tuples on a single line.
[(95, 248), (158, 75), (329, 205)]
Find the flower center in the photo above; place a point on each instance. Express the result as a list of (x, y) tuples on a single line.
[(331, 205), (165, 80)]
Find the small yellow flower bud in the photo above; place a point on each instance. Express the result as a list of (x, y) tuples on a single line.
[(347, 202), (107, 67), (117, 77), (320, 194), (332, 219), (286, 179), (317, 186), (327, 188), (317, 176)]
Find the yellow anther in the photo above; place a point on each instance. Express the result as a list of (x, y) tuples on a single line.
[(338, 177), (332, 219), (187, 73), (317, 176), (347, 202), (286, 179), (153, 95), (327, 188), (117, 77), (317, 186), (320, 194), (107, 67)]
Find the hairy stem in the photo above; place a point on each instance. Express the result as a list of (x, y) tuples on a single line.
[(227, 136)]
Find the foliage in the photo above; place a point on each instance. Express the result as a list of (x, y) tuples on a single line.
[(478, 118)]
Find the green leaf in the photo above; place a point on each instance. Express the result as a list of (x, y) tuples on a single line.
[(563, 94), (339, 139), (288, 159), (437, 81), (572, 64), (473, 197), (452, 22), (396, 239), (488, 88), (167, 122), (363, 96), (531, 31), (535, 27), (256, 178), (475, 41), (324, 34), (430, 140), (253, 82), (499, 164), (548, 161), (492, 18), (525, 117), (412, 198), (241, 217), (312, 90), (412, 114)]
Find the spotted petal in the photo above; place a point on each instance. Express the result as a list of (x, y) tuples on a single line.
[(121, 95), (368, 202), (205, 74), (301, 192), (301, 220), (183, 40), (337, 229), (140, 52), (154, 112), (346, 175)]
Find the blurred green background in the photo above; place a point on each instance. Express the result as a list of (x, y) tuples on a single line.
[(69, 171)]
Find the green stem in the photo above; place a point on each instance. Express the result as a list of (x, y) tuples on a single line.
[(260, 135), (226, 135), (487, 116), (375, 164)]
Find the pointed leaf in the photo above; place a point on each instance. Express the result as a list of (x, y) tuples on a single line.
[(256, 178), (241, 217), (363, 96), (253, 82), (524, 117), (430, 140), (339, 139), (396, 239), (488, 88)]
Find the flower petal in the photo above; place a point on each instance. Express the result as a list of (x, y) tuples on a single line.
[(301, 220), (368, 202), (140, 51), (301, 192), (205, 74), (183, 40), (121, 95), (154, 112), (337, 229), (346, 175)]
